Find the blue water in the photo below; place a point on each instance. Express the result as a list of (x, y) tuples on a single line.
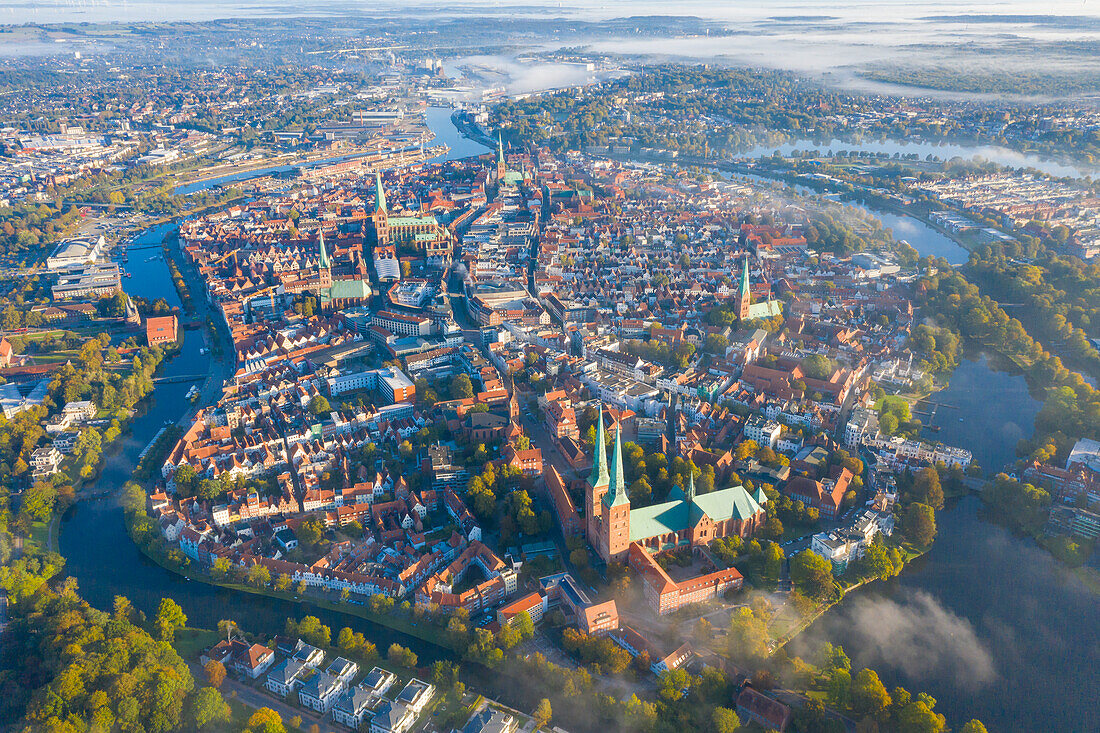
[(921, 237), (985, 411), (439, 122)]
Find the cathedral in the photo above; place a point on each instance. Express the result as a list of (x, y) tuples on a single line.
[(684, 520), (350, 287), (747, 310)]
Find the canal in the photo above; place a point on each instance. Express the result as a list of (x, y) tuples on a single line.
[(99, 553)]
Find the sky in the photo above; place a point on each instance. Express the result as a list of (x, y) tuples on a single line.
[(828, 37)]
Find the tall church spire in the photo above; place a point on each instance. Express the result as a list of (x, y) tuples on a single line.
[(616, 489), (599, 458), (325, 265), (379, 193), (744, 289), (500, 149), (691, 487)]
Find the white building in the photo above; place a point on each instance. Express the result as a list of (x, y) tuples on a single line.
[(285, 677), (45, 461), (75, 253), (862, 425), (843, 546), (762, 430), (80, 411), (351, 707), (386, 263), (320, 692)]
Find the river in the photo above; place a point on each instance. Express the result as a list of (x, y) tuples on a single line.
[(920, 236), (944, 151), (986, 408), (986, 622), (438, 120), (98, 551)]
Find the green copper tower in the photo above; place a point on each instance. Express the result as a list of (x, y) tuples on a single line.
[(324, 252), (379, 193), (616, 489), (599, 458)]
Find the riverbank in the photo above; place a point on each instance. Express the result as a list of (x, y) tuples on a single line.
[(395, 622), (821, 609)]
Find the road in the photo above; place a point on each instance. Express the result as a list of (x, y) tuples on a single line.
[(260, 698)]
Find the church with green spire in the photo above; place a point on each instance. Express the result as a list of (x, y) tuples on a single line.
[(503, 176), (747, 310), (412, 229), (684, 519), (350, 287)]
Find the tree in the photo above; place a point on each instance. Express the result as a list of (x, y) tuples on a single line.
[(869, 695), (773, 562), (401, 656), (973, 726), (310, 531), (170, 617), (259, 576), (919, 524), (208, 707), (461, 387), (817, 367), (773, 528), (927, 488), (812, 575), (917, 717), (215, 673), (319, 405), (725, 720), (265, 720), (542, 713), (840, 688)]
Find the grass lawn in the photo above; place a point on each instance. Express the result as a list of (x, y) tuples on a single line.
[(57, 356), (37, 538), (190, 642)]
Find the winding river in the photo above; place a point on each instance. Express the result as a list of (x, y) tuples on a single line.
[(93, 538), (987, 623)]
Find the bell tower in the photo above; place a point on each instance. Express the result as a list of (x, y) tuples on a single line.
[(615, 530), (597, 486)]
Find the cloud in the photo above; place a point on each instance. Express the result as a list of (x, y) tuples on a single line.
[(917, 636)]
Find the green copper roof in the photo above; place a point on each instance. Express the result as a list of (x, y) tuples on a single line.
[(691, 487), (500, 148), (598, 477), (731, 503), (616, 489), (767, 309), (679, 514), (349, 289), (759, 496), (744, 288), (412, 221), (672, 516), (379, 193)]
